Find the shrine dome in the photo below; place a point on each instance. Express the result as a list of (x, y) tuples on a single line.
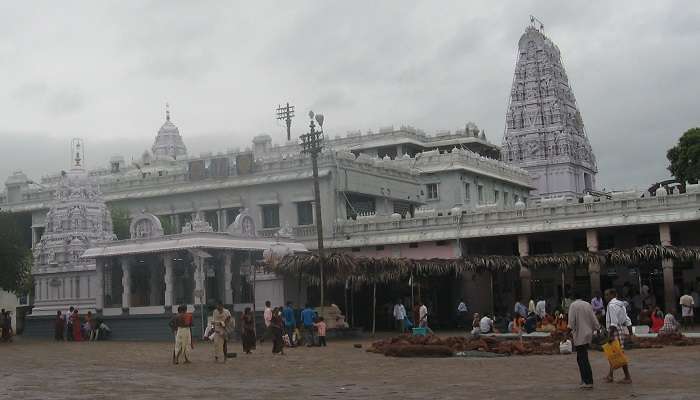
[(168, 144)]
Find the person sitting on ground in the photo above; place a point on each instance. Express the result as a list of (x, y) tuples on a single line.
[(671, 326), (561, 322), (517, 324), (475, 324), (645, 317), (657, 320), (547, 324), (530, 323), (541, 309), (486, 325), (511, 323)]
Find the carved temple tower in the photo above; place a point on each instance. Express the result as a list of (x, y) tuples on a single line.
[(77, 219), (544, 131), (168, 144)]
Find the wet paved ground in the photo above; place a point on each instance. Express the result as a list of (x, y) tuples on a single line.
[(134, 370)]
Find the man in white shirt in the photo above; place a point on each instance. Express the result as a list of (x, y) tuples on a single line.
[(541, 309), (267, 317), (687, 310), (617, 322), (486, 325), (423, 315), (400, 316), (221, 318)]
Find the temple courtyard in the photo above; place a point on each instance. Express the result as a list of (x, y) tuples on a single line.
[(33, 369)]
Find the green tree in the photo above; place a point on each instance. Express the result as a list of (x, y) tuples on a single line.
[(685, 157), (15, 257), (120, 222)]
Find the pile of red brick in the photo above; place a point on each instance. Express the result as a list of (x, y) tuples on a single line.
[(432, 346)]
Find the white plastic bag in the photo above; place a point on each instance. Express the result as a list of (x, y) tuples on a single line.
[(566, 347)]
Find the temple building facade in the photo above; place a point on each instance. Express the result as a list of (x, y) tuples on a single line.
[(199, 223), (544, 129)]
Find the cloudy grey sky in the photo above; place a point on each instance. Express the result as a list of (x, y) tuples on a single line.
[(103, 71)]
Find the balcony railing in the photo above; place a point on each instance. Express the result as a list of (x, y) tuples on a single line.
[(533, 213)]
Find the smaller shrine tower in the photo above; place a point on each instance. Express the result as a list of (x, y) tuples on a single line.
[(168, 144), (77, 219)]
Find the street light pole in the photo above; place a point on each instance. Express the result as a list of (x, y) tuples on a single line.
[(312, 143)]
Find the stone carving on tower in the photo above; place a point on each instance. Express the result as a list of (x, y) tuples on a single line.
[(77, 219), (168, 144), (544, 130)]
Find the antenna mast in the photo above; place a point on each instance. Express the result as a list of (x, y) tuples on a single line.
[(286, 113)]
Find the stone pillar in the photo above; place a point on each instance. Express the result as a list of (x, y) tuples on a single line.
[(594, 266), (169, 281), (198, 278), (667, 265), (126, 284), (37, 290), (155, 282), (525, 274), (669, 289), (228, 292), (99, 285), (224, 220), (218, 221)]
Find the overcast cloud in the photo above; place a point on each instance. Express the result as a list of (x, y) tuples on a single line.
[(103, 71)]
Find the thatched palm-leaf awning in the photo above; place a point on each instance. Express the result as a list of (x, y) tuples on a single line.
[(341, 267)]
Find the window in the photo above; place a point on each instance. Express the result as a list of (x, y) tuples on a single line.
[(413, 245), (467, 192), (496, 196), (480, 193), (271, 216), (358, 204), (432, 189), (305, 213), (505, 198)]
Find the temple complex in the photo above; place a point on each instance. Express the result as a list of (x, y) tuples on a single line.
[(198, 224)]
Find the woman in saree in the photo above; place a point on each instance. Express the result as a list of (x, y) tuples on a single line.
[(248, 331), (276, 326), (75, 319)]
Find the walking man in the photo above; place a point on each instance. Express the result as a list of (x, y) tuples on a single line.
[(289, 321), (423, 315), (399, 316), (582, 324), (308, 317), (267, 317), (617, 323), (221, 318)]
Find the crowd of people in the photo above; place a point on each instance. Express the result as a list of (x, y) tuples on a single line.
[(70, 326), (284, 325), (607, 318)]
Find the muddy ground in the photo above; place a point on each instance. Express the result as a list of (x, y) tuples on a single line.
[(32, 369)]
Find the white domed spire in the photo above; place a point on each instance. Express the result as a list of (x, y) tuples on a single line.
[(168, 144)]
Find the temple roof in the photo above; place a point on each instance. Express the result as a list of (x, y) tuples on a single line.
[(168, 143), (186, 241)]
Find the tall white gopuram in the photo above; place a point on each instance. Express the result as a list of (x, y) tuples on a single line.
[(544, 130), (77, 219), (168, 144)]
